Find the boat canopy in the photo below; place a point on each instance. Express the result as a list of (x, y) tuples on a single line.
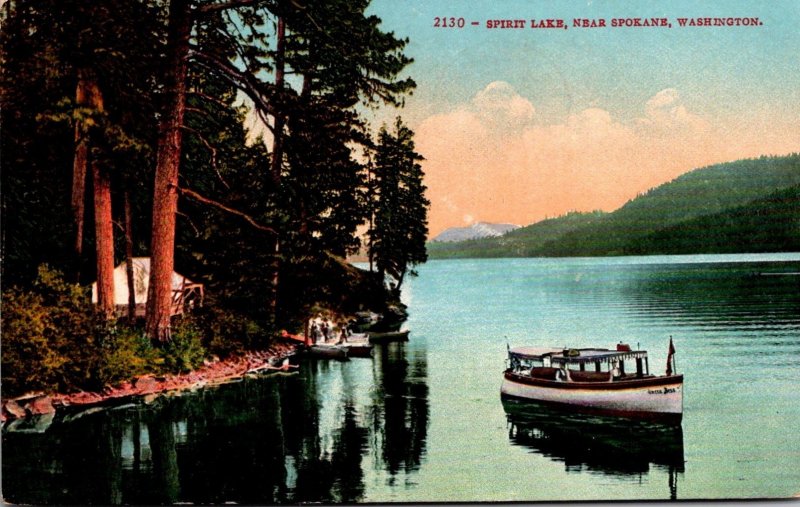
[(576, 356), (533, 352)]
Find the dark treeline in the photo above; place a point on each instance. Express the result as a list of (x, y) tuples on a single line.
[(746, 206), (125, 134)]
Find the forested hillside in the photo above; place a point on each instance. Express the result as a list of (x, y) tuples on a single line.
[(743, 206), (771, 224)]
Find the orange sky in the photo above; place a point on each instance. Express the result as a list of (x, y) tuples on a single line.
[(491, 160)]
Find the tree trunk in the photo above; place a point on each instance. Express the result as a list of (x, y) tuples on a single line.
[(280, 120), (305, 95), (400, 281), (129, 259), (104, 241), (371, 204), (276, 165), (79, 175), (103, 220), (165, 196)]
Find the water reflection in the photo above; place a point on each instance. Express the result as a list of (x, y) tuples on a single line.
[(602, 445), (312, 437), (402, 396), (740, 296)]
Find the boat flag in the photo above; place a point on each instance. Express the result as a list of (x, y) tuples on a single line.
[(670, 353)]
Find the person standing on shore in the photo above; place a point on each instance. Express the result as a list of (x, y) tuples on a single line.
[(325, 330)]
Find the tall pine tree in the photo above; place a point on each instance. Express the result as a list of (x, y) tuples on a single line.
[(400, 224)]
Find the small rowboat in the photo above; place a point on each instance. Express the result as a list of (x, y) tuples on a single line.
[(388, 336), (357, 349), (327, 352), (357, 345), (595, 381)]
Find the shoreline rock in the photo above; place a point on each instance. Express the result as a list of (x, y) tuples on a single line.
[(213, 371)]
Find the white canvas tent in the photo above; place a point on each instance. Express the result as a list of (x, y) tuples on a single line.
[(185, 292)]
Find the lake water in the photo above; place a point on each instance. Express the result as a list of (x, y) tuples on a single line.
[(423, 421)]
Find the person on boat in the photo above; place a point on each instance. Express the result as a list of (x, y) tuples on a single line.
[(616, 372)]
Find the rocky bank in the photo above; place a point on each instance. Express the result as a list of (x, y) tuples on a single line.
[(212, 372)]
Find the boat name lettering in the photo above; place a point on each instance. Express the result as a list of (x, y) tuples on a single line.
[(666, 390)]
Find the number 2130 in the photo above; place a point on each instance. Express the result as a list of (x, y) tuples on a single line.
[(448, 22)]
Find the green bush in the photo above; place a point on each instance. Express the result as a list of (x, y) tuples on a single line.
[(225, 333), (49, 337), (54, 341), (184, 351), (126, 353), (33, 348)]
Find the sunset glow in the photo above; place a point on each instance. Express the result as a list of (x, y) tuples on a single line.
[(517, 125)]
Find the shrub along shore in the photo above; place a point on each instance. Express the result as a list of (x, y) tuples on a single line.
[(213, 372), (56, 352)]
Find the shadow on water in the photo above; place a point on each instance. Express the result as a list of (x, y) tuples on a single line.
[(279, 439), (604, 445)]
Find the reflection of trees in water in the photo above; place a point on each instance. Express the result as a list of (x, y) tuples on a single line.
[(59, 467), (166, 482), (325, 474), (335, 476), (213, 446), (401, 406), (268, 440)]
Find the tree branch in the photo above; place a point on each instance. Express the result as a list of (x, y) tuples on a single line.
[(213, 151), (232, 4), (205, 200), (203, 112), (188, 219), (210, 98), (244, 81)]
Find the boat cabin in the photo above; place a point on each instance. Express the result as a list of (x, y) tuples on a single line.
[(579, 365)]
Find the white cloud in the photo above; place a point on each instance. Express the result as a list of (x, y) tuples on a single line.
[(501, 106), (665, 110)]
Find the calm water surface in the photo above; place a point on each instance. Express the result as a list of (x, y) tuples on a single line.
[(423, 421)]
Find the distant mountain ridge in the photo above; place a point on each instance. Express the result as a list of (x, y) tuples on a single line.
[(744, 206), (474, 231)]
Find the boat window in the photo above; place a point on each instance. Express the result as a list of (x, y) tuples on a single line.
[(523, 364)]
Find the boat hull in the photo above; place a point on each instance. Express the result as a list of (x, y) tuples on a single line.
[(327, 352), (389, 336), (358, 349), (654, 398)]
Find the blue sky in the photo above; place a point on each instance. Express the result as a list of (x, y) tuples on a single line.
[(717, 67)]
